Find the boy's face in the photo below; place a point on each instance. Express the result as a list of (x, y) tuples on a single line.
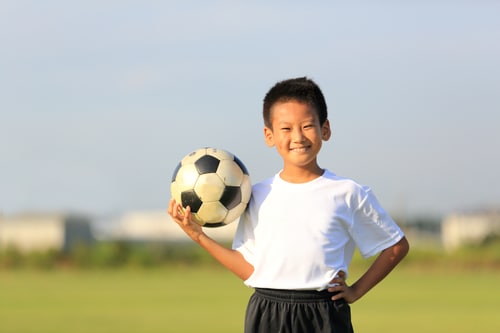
[(297, 134)]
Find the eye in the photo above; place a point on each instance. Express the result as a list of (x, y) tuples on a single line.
[(285, 128)]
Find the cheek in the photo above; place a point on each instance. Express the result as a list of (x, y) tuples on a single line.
[(281, 140)]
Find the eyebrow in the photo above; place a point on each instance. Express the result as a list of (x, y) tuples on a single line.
[(307, 120)]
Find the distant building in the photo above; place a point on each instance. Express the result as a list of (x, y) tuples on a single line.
[(469, 228), (158, 226), (38, 232)]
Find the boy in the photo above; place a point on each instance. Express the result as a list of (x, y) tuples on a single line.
[(295, 241)]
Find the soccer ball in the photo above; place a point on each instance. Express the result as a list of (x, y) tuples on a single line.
[(214, 183)]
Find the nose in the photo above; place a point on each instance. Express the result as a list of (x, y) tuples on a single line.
[(297, 135)]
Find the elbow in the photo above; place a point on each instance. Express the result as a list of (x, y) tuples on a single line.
[(403, 248), (398, 251), (246, 273)]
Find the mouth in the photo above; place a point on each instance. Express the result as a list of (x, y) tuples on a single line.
[(299, 149)]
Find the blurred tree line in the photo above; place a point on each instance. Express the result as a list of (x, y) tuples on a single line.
[(112, 254), (122, 254)]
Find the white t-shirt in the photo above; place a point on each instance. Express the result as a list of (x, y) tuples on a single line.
[(299, 236)]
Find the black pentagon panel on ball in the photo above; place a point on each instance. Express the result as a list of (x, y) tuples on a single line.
[(241, 165), (175, 171), (207, 164), (189, 198), (231, 197), (214, 225)]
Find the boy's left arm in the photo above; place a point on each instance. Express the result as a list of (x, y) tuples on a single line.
[(380, 268)]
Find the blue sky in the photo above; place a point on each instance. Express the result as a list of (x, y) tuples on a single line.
[(99, 100)]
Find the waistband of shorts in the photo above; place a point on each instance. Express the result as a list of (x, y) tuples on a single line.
[(295, 295)]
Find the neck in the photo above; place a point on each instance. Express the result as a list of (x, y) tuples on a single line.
[(300, 175)]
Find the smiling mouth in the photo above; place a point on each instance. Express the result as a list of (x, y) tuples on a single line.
[(299, 149)]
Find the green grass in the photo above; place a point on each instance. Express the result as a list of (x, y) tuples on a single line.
[(207, 299), (422, 300), (156, 300)]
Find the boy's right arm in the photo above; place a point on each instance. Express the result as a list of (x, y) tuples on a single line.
[(231, 259)]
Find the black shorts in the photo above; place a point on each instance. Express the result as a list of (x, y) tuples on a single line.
[(296, 311)]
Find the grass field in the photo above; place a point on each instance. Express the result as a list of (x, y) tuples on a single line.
[(208, 299)]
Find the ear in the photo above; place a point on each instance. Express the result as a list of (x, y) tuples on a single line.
[(326, 131), (268, 136)]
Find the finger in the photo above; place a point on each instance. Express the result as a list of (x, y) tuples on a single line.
[(180, 210), (337, 296), (177, 213), (338, 292), (171, 206), (186, 213), (340, 278), (339, 281), (336, 289)]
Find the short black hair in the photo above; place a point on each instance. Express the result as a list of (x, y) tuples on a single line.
[(301, 89)]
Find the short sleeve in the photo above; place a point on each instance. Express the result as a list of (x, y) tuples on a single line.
[(372, 229)]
